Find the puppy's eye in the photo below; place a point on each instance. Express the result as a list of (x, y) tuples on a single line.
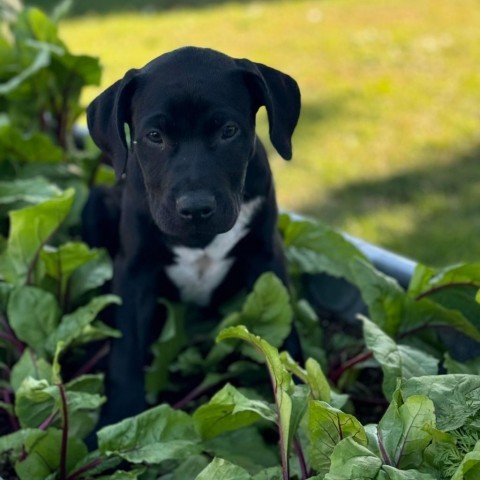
[(229, 131), (155, 136)]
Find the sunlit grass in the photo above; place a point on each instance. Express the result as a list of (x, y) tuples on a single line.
[(388, 146)]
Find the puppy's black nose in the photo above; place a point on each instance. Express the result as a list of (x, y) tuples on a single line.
[(196, 206)]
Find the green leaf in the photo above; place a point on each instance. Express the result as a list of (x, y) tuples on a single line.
[(420, 280), (427, 313), (84, 399), (272, 473), (266, 312), (97, 464), (30, 229), (86, 69), (33, 315), (91, 383), (44, 455), (41, 60), (403, 431), (189, 468), (220, 469), (229, 410), (457, 274), (443, 455), (96, 331), (61, 262), (158, 434), (471, 367), (29, 365), (350, 460), (382, 294), (452, 288), (33, 23), (310, 331), (251, 452), (397, 361), (313, 248), (17, 146), (293, 367), (90, 275), (281, 383), (314, 387), (395, 312), (74, 327), (456, 397), (327, 426), (371, 430), (36, 400), (61, 10), (165, 349), (5, 290), (13, 443), (391, 473), (30, 190), (56, 367), (300, 397), (317, 381), (469, 469)]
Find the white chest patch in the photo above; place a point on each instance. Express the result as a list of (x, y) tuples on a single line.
[(198, 271)]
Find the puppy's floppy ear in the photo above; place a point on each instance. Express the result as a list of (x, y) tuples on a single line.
[(106, 118), (281, 96)]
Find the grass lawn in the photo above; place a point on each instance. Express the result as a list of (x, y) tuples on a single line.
[(388, 146)]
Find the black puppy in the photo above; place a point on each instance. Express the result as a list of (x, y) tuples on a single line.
[(197, 218)]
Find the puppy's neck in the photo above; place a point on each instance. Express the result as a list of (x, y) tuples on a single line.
[(197, 272)]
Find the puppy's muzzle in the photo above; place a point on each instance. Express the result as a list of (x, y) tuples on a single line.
[(196, 207)]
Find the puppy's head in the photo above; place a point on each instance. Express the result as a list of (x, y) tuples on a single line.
[(191, 118)]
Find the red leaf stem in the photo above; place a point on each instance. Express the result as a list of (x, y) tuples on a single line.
[(63, 453), (338, 372)]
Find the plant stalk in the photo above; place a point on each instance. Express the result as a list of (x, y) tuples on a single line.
[(13, 340), (338, 372), (283, 450), (192, 395), (11, 417), (48, 421), (63, 453), (443, 287), (101, 352), (89, 466), (9, 335), (301, 458)]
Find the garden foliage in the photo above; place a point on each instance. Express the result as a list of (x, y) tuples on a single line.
[(388, 397)]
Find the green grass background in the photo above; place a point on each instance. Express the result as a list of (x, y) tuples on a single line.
[(388, 145)]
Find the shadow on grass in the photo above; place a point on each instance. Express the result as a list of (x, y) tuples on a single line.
[(316, 114), (443, 200), (105, 7)]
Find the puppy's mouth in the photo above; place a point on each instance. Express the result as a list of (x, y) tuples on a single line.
[(194, 234)]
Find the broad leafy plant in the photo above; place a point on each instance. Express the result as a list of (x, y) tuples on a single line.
[(392, 395), (40, 86)]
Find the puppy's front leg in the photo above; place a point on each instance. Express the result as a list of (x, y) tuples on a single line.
[(125, 371)]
